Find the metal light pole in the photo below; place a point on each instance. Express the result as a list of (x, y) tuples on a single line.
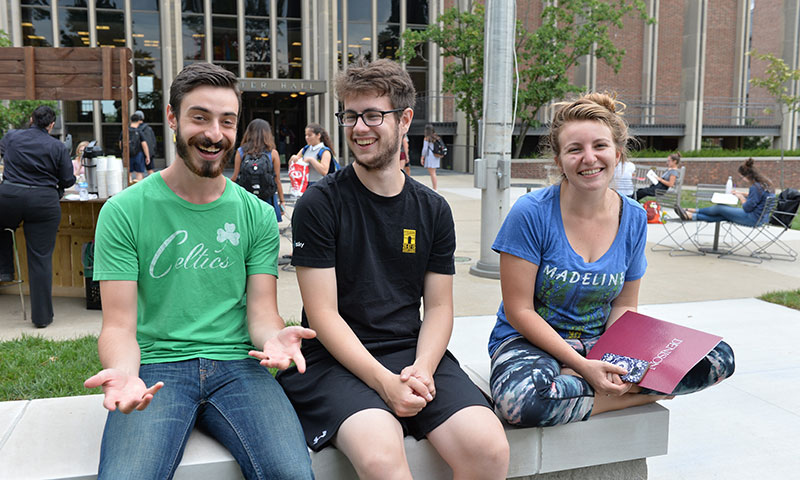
[(493, 169)]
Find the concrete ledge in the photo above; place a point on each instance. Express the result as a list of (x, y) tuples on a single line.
[(59, 438), (608, 438)]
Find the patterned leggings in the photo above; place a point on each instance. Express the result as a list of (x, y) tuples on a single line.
[(529, 390)]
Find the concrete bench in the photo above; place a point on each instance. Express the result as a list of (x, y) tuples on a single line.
[(59, 438)]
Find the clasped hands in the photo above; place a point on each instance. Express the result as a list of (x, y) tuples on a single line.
[(126, 392), (409, 392)]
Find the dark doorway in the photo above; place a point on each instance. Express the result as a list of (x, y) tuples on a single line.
[(286, 115)]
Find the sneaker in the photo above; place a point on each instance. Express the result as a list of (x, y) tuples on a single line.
[(682, 213)]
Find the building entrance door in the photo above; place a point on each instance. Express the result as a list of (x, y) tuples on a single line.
[(286, 115)]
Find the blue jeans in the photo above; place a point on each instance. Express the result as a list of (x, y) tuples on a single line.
[(237, 402), (721, 213)]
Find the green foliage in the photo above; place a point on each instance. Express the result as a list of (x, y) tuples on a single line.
[(569, 31), (777, 80), (4, 40), (35, 367), (757, 143), (715, 152), (545, 53), (17, 113), (459, 35), (789, 298)]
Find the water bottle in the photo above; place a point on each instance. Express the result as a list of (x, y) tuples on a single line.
[(729, 185), (83, 188)]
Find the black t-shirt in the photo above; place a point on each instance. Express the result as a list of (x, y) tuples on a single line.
[(33, 157), (381, 248)]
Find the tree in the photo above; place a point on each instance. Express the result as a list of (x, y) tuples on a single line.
[(459, 35), (777, 80), (570, 29), (16, 113)]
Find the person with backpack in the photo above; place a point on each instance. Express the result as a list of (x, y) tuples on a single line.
[(433, 150), (138, 151), (149, 136), (318, 153), (257, 165)]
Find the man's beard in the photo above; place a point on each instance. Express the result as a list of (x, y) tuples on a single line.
[(385, 157), (206, 169)]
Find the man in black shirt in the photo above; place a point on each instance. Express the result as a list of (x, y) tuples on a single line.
[(369, 243), (37, 169)]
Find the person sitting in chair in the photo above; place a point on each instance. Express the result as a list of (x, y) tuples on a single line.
[(753, 202), (666, 180)]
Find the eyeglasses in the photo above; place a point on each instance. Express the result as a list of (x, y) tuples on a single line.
[(371, 118)]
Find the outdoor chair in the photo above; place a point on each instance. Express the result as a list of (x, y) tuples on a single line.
[(18, 282), (746, 247), (781, 220), (677, 235)]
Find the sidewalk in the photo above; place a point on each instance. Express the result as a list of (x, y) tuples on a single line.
[(744, 428)]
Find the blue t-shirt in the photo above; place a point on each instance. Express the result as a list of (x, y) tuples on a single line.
[(756, 201), (573, 296)]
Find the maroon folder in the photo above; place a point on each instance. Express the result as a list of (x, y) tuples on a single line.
[(671, 349)]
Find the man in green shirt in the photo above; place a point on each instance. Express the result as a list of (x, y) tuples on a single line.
[(187, 263)]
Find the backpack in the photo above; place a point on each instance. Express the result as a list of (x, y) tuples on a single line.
[(149, 136), (653, 210), (334, 165), (439, 148), (788, 202), (134, 142), (257, 175)]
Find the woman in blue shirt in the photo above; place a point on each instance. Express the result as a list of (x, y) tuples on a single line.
[(753, 202), (571, 261)]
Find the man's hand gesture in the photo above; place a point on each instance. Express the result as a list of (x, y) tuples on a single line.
[(122, 391), (283, 348)]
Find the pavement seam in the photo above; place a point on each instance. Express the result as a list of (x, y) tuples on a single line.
[(13, 425)]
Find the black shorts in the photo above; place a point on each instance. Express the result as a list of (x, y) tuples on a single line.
[(327, 394)]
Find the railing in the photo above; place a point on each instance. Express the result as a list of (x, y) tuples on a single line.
[(726, 111), (664, 110)]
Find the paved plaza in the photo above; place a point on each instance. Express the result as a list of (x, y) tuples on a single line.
[(744, 428)]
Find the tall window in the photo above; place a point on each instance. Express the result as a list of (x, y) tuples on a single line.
[(388, 28), (194, 31), (110, 33), (37, 23), (225, 37), (73, 31), (148, 84), (289, 38), (359, 30), (257, 39)]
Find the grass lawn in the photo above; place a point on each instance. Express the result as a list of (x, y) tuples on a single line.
[(789, 298), (34, 367)]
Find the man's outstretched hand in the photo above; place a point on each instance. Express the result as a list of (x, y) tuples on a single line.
[(280, 350), (122, 391)]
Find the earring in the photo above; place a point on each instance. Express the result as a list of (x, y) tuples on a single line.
[(174, 138)]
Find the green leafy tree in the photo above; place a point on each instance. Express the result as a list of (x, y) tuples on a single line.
[(16, 113), (459, 35), (570, 29), (778, 77)]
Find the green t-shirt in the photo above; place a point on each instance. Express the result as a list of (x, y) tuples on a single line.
[(191, 263)]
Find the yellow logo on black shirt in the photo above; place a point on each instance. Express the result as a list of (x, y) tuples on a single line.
[(409, 241)]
